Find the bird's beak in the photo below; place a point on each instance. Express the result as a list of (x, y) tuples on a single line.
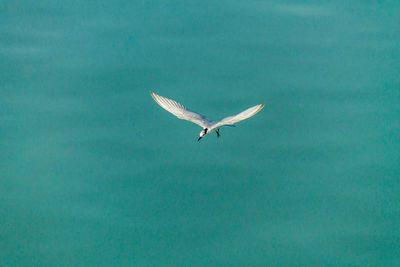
[(199, 139)]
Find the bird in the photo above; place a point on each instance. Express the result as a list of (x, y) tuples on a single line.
[(208, 126)]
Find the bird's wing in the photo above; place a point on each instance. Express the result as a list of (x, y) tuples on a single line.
[(180, 111), (241, 116)]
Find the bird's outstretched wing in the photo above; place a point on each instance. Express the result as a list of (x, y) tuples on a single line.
[(180, 111), (241, 116)]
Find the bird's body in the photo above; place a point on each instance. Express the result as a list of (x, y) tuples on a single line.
[(208, 126)]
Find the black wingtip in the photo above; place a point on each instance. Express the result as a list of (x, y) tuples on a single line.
[(198, 139)]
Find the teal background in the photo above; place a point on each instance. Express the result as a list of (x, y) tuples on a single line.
[(94, 173)]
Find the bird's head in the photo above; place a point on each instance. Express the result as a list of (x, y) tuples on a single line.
[(202, 133)]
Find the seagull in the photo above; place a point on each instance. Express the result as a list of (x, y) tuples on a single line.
[(208, 126)]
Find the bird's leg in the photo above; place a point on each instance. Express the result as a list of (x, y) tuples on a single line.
[(217, 131)]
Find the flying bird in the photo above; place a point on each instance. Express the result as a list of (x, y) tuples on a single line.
[(208, 126)]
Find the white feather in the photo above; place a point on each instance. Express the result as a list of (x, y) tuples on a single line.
[(180, 111)]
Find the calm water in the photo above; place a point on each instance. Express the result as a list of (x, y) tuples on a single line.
[(94, 173)]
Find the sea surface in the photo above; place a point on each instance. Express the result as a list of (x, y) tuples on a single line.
[(94, 173)]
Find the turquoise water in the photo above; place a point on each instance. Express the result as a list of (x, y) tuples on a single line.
[(94, 173)]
